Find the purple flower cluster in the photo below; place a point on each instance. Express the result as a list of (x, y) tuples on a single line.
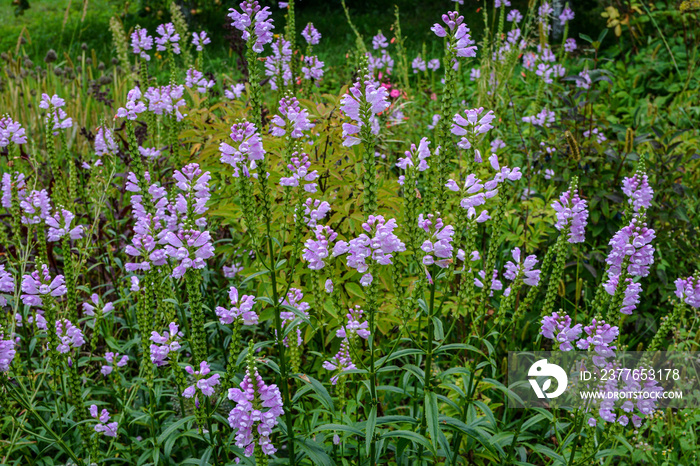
[(203, 384), (69, 336), (311, 34), (637, 189), (415, 157), (514, 16), (474, 194), (107, 428), (513, 269), (168, 37), (688, 289), (104, 142), (258, 406), (199, 40), (166, 100), (341, 362), (379, 247), (253, 21), (375, 95), (558, 328), (291, 118), (242, 308), (438, 247), (312, 68), (164, 343), (316, 250), (355, 325), (300, 173), (461, 41), (566, 15), (418, 65), (36, 285), (11, 131), (600, 338), (90, 308), (278, 65), (195, 186), (111, 359), (633, 241), (246, 151), (141, 42), (625, 383), (60, 225), (572, 212), (7, 353), (235, 92), (472, 125), (190, 247), (134, 105), (195, 78), (7, 284), (315, 211), (56, 114), (570, 45), (544, 118), (231, 272)]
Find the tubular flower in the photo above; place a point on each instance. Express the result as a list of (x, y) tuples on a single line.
[(637, 189), (474, 194), (439, 243), (190, 247), (311, 35), (104, 142), (472, 125), (356, 325), (294, 300), (7, 284), (633, 241), (164, 344), (544, 118), (242, 308), (496, 284), (418, 65), (69, 336), (416, 157), (688, 289), (10, 183), (254, 22), (300, 173), (245, 152), (235, 91), (141, 42), (11, 132), (258, 406), (380, 247), (292, 118), (572, 212), (314, 211), (7, 353), (55, 114), (111, 358), (60, 225), (37, 284), (316, 251), (460, 41), (134, 105), (341, 362), (195, 186), (203, 385), (166, 100), (109, 429), (278, 65), (199, 40), (558, 328), (104, 309), (369, 93), (197, 79), (599, 339), (513, 269), (312, 68), (168, 36)]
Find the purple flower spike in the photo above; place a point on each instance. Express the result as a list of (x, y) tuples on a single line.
[(572, 212), (254, 22), (11, 183), (460, 39), (242, 308), (311, 35), (371, 92), (438, 247), (134, 105), (7, 353), (292, 118), (203, 385), (312, 68), (258, 409), (530, 277), (168, 37), (472, 125), (167, 100), (314, 211), (38, 284), (637, 189), (69, 336), (104, 142), (558, 327), (688, 290), (341, 362), (356, 325), (278, 65), (141, 42), (199, 40), (11, 132), (60, 225), (316, 251), (300, 173), (164, 344), (633, 241), (197, 79), (109, 429), (293, 299), (7, 284), (415, 157), (246, 150)]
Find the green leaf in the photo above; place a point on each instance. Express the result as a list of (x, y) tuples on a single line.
[(172, 428), (315, 452), (319, 389), (412, 436), (431, 416), (340, 427), (371, 424)]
